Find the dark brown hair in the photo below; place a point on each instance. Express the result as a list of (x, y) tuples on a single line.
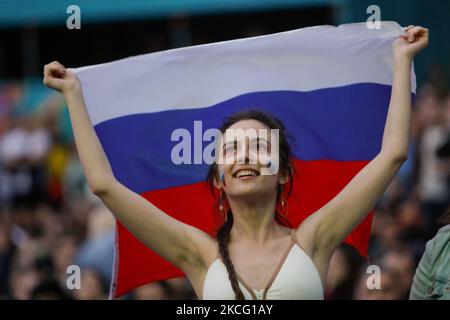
[(286, 168)]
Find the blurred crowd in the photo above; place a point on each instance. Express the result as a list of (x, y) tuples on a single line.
[(49, 219)]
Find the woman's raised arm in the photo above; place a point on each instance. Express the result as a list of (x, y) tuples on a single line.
[(329, 225), (179, 243)]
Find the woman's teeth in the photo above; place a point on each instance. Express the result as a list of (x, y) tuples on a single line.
[(245, 173)]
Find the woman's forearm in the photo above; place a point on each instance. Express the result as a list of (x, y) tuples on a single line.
[(92, 156), (397, 128)]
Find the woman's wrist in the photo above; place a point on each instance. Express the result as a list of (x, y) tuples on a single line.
[(73, 88), (402, 60)]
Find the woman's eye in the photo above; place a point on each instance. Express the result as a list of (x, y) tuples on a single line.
[(260, 146), (230, 149)]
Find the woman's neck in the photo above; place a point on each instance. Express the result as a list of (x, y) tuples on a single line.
[(254, 221)]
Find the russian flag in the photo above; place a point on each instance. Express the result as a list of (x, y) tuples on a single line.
[(330, 86)]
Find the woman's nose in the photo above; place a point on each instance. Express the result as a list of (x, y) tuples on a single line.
[(245, 156)]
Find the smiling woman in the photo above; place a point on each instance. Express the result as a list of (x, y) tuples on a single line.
[(255, 242), (238, 178), (245, 158)]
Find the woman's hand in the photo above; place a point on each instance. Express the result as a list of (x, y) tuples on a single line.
[(57, 77), (408, 45)]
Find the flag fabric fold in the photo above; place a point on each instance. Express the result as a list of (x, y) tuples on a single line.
[(330, 86)]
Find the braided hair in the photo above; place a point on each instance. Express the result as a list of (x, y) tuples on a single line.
[(223, 233)]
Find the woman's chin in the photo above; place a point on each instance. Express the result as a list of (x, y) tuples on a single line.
[(252, 187), (249, 191)]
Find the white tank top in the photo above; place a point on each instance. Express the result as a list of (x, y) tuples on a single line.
[(295, 278)]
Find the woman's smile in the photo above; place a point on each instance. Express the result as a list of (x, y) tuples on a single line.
[(245, 173)]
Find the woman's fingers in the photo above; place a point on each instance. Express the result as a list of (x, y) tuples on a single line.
[(54, 68), (414, 32), (51, 81), (406, 30), (53, 72), (59, 67), (412, 41), (58, 64), (57, 77)]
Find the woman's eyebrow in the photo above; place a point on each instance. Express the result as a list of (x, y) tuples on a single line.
[(229, 142), (258, 139)]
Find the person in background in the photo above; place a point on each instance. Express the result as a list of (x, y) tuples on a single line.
[(22, 282), (93, 286), (400, 260), (432, 277), (432, 184), (49, 290), (159, 290), (343, 273), (389, 287)]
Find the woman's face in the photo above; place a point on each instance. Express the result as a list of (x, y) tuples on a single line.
[(246, 148)]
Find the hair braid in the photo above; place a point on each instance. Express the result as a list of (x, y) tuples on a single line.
[(223, 237)]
